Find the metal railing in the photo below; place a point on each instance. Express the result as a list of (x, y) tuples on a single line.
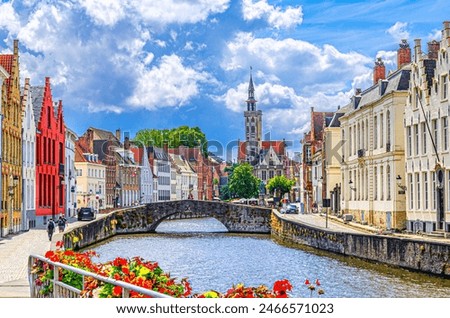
[(62, 290)]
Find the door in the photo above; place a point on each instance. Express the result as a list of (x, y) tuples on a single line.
[(388, 220)]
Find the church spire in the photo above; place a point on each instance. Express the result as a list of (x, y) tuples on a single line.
[(251, 102)]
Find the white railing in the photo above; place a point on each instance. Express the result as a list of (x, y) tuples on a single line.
[(62, 290)]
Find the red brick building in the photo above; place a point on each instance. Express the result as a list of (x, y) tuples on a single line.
[(50, 156)]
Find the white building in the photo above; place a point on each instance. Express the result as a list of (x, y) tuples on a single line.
[(91, 174), (70, 175), (427, 178), (186, 178), (159, 159), (146, 178), (373, 152), (29, 159)]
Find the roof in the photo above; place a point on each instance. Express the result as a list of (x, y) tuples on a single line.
[(103, 134), (181, 163), (37, 96), (7, 60), (396, 81)]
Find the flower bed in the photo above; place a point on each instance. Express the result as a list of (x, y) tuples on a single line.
[(136, 271)]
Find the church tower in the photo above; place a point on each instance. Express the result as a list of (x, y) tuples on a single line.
[(253, 126)]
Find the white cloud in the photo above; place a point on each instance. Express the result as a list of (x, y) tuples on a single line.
[(170, 84), (95, 107), (399, 31), (299, 63), (291, 76), (104, 12), (178, 11), (9, 18), (277, 18)]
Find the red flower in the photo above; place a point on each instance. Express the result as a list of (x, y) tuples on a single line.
[(317, 282), (59, 244), (307, 282), (280, 287), (119, 261), (117, 291)]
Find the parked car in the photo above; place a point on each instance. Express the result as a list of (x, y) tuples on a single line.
[(291, 209), (86, 214)]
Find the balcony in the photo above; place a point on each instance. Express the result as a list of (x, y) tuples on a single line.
[(361, 153)]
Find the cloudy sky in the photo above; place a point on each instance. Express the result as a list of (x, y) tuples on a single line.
[(134, 64)]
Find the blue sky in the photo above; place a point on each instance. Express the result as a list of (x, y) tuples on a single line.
[(134, 64)]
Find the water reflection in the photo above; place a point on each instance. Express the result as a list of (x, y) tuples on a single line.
[(219, 260)]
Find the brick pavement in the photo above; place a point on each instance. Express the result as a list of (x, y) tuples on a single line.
[(14, 252)]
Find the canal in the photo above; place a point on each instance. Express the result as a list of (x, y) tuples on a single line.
[(211, 259)]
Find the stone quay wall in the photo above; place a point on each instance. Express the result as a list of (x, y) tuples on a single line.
[(146, 218), (425, 256)]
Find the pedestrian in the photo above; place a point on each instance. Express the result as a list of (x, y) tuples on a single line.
[(50, 228), (61, 223)]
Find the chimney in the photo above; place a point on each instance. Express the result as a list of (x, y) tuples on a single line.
[(118, 134), (166, 147), (433, 49), (16, 47), (446, 32), (417, 50), (379, 71), (403, 54)]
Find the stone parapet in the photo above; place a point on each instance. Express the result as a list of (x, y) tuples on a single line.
[(425, 256)]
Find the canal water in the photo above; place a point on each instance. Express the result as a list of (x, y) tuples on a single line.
[(212, 259)]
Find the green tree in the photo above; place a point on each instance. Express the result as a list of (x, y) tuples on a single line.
[(280, 185), (243, 183), (175, 137)]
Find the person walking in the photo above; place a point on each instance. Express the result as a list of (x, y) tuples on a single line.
[(50, 228), (61, 223)]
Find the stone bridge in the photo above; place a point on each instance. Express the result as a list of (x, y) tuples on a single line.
[(236, 218)]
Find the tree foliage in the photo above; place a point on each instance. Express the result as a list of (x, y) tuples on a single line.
[(243, 183), (281, 184), (182, 136)]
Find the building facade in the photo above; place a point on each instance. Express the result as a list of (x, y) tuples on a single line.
[(160, 162), (373, 152), (427, 178), (311, 145), (91, 174), (11, 201), (50, 154), (29, 159), (186, 178), (70, 175)]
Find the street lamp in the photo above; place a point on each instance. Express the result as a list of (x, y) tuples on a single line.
[(399, 183), (351, 187), (13, 182)]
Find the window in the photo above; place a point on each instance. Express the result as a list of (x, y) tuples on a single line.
[(424, 138), (410, 187), (350, 143), (418, 189), (375, 135), (435, 133), (409, 141), (381, 130), (433, 189), (416, 139), (375, 184), (425, 190), (444, 86), (388, 127), (388, 182), (381, 183), (444, 134)]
